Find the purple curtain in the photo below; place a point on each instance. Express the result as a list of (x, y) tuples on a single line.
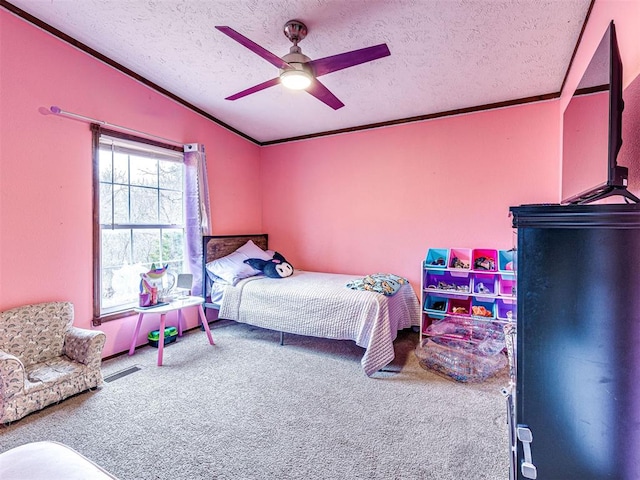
[(197, 210)]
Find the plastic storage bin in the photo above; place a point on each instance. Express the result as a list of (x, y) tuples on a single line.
[(507, 286), (170, 336), (485, 259), (447, 282), (459, 306), (436, 306), (437, 258), (485, 284), (471, 334), (483, 308), (506, 261), (458, 364), (460, 258), (506, 309)]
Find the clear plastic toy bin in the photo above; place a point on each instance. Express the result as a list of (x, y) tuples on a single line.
[(458, 363), (464, 349)]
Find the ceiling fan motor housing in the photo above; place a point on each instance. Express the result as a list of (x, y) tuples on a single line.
[(295, 31), (297, 59)]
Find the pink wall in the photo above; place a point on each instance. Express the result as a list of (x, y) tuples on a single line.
[(626, 16), (45, 180), (377, 200)]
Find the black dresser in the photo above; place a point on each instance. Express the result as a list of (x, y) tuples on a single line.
[(577, 395)]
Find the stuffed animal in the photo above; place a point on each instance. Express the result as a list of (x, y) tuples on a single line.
[(277, 267)]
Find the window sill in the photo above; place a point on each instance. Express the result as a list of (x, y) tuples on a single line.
[(97, 321)]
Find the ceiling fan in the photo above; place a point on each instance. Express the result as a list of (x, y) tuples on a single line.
[(298, 71)]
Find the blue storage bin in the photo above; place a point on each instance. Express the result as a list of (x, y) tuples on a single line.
[(483, 308), (437, 258), (436, 306), (506, 261)]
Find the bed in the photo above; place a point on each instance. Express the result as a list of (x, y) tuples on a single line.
[(308, 303)]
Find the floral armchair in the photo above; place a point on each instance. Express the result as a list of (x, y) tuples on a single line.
[(44, 358)]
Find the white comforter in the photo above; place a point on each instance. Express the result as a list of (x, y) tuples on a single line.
[(320, 305)]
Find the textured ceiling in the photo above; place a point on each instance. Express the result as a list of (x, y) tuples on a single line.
[(445, 54)]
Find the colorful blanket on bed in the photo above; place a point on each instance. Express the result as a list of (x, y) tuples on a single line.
[(384, 283)]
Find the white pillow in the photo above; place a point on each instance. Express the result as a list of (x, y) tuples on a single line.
[(254, 251), (231, 269)]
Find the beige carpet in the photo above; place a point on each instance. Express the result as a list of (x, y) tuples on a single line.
[(248, 408)]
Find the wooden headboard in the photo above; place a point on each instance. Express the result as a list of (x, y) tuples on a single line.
[(217, 246)]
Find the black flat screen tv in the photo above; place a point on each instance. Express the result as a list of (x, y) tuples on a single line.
[(592, 130)]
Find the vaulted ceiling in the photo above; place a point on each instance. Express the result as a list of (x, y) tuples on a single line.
[(446, 55)]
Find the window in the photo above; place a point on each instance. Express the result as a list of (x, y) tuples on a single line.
[(139, 216)]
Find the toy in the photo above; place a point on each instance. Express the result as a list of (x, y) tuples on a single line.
[(277, 267), (170, 336), (154, 285), (384, 283)]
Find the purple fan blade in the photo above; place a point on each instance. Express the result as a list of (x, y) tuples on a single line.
[(255, 88), (254, 47), (325, 65), (323, 94)]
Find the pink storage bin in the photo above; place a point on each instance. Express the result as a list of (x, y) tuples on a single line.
[(485, 259), (460, 258), (459, 306), (507, 286)]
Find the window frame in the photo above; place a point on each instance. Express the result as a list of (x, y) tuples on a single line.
[(97, 132)]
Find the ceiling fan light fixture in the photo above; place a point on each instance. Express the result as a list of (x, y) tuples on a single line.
[(297, 71), (295, 79)]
